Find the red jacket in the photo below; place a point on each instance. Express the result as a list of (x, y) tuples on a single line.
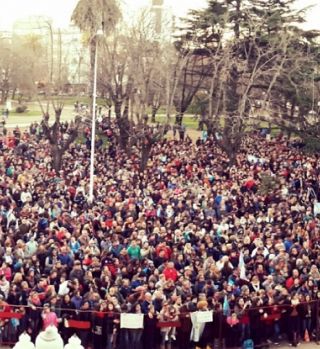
[(165, 249), (170, 274)]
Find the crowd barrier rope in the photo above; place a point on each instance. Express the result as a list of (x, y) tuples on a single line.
[(9, 312)]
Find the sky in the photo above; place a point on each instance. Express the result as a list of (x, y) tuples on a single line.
[(60, 10)]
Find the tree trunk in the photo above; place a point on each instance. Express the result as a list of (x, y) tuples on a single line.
[(237, 19), (51, 53), (179, 118), (132, 105), (117, 108), (4, 95), (60, 60), (293, 109), (13, 93), (56, 154), (232, 155), (154, 113), (145, 153), (92, 61), (231, 147), (210, 129), (232, 159), (123, 124)]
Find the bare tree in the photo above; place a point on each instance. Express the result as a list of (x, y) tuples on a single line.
[(246, 69), (116, 77), (5, 68), (59, 137), (194, 72), (29, 68), (144, 137)]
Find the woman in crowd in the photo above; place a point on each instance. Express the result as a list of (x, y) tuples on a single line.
[(188, 228)]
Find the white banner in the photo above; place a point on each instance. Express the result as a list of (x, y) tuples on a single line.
[(131, 321), (204, 316), (316, 208)]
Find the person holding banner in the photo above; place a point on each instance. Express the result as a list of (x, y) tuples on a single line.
[(111, 325), (134, 333), (84, 316), (168, 321), (150, 332), (204, 317), (241, 309), (233, 331), (184, 331), (98, 326)]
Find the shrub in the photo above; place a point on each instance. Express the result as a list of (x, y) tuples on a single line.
[(21, 108), (311, 145)]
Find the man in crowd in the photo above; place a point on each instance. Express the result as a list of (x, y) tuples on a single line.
[(188, 229)]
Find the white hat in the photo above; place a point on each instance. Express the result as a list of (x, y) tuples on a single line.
[(49, 339), (24, 342), (74, 343)]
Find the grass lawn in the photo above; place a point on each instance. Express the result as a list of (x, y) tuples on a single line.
[(192, 123), (34, 113), (27, 114), (85, 100), (188, 121)]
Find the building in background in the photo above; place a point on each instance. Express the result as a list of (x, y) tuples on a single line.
[(37, 25), (65, 51), (157, 11), (72, 59), (164, 19)]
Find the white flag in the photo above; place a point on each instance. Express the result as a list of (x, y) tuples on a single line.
[(242, 267)]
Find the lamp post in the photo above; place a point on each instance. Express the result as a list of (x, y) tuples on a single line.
[(93, 127)]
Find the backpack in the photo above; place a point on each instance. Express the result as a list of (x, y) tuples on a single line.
[(248, 344)]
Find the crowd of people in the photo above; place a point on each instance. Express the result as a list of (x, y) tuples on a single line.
[(190, 233)]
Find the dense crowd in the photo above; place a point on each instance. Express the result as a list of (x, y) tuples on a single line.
[(189, 233)]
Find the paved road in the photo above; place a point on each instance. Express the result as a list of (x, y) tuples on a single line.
[(13, 121)]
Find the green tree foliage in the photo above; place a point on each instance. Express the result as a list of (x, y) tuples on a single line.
[(91, 16), (258, 53)]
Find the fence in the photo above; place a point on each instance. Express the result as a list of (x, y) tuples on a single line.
[(216, 328)]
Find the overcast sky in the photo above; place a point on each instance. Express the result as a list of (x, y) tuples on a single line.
[(60, 10)]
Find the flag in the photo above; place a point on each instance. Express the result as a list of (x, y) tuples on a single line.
[(242, 267), (81, 325), (226, 306)]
